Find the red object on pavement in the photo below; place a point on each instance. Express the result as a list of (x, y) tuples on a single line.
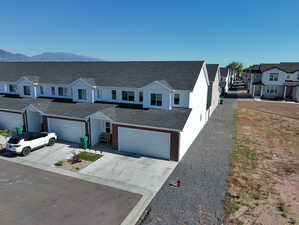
[(178, 183)]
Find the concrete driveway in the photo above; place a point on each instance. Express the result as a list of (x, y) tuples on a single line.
[(146, 173), (46, 156), (31, 196)]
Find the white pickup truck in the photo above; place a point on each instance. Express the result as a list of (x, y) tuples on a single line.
[(27, 142)]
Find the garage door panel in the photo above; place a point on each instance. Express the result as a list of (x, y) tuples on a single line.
[(144, 142), (9, 121), (67, 130)]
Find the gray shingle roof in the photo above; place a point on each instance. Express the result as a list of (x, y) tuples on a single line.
[(168, 119), (223, 72), (212, 70), (180, 75), (288, 67)]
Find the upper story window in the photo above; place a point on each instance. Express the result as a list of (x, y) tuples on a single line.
[(62, 91), (27, 90), (99, 93), (273, 77), (128, 96), (156, 99), (113, 93), (82, 94), (108, 127), (12, 88), (53, 91), (176, 99), (41, 90), (140, 96)]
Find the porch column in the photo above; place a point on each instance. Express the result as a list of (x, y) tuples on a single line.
[(285, 92), (262, 89), (253, 93)]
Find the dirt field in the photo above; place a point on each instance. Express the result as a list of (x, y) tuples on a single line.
[(264, 178)]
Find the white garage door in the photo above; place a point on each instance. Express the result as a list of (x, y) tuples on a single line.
[(67, 130), (10, 121), (144, 142)]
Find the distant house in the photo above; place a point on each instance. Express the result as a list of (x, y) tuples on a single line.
[(214, 90), (224, 80), (147, 108), (275, 81)]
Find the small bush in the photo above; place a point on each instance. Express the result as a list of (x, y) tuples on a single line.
[(59, 163), (282, 208), (292, 221), (89, 156), (230, 205), (5, 133)]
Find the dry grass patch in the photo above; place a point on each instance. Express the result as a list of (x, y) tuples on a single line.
[(264, 176)]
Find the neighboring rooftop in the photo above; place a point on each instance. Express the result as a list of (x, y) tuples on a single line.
[(181, 75), (212, 71), (288, 67), (121, 113), (223, 71)]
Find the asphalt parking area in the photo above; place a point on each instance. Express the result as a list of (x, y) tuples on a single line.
[(32, 196)]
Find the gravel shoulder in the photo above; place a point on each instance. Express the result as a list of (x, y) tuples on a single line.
[(203, 172)]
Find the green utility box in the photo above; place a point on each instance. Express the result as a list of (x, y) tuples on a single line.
[(84, 142), (20, 130), (221, 101)]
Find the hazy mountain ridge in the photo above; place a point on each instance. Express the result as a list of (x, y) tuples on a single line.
[(6, 56)]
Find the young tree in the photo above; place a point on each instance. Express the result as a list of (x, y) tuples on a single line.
[(237, 66)]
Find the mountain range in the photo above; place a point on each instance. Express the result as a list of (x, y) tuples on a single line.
[(6, 56)]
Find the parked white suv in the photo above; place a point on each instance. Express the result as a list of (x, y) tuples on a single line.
[(27, 142)]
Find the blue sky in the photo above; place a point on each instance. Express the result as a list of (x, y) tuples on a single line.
[(249, 31)]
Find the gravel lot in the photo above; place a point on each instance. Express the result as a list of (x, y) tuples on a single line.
[(203, 172)]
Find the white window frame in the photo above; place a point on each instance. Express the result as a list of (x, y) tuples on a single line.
[(156, 101), (176, 96), (15, 87), (28, 89), (64, 91), (128, 96), (273, 76), (83, 96), (53, 91), (41, 90)]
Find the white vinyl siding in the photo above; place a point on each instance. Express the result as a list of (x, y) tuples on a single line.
[(67, 130), (10, 121)]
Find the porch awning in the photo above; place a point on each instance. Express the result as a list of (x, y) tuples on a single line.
[(292, 83)]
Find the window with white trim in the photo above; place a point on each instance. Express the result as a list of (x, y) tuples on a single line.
[(108, 127), (156, 99), (62, 91), (82, 94), (53, 91), (176, 99), (41, 90), (273, 77), (27, 90), (12, 88), (140, 96), (128, 95), (113, 93)]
